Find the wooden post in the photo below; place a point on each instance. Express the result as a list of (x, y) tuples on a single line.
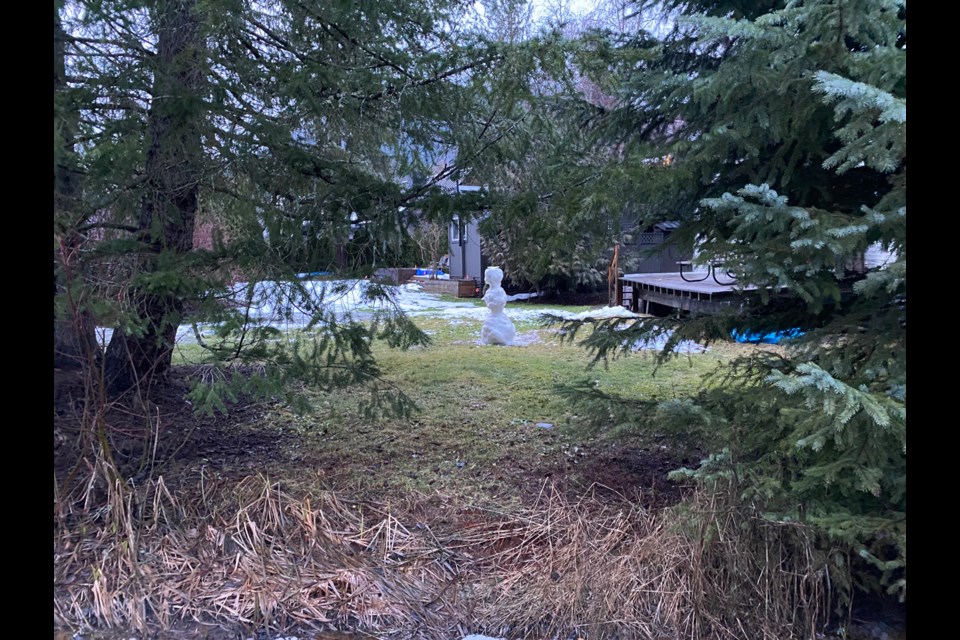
[(613, 276)]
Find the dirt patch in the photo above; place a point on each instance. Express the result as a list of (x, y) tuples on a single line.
[(616, 472), (147, 437)]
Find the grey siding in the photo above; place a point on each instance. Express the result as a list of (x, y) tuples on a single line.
[(647, 254), (465, 257)]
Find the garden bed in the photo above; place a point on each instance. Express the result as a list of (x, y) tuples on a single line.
[(463, 288)]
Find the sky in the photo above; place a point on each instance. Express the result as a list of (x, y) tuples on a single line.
[(605, 13), (543, 8)]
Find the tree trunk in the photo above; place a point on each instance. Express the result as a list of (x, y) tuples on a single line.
[(141, 355), (74, 343)]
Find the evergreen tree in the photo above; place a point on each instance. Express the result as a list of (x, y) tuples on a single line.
[(287, 126), (786, 122), (73, 333), (560, 197)]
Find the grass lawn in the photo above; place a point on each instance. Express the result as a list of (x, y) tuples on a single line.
[(475, 433)]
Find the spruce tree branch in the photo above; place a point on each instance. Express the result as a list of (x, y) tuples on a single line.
[(274, 39), (248, 45), (579, 183), (374, 54), (450, 169), (436, 77), (97, 54), (486, 125), (92, 42), (115, 106), (284, 45), (123, 31), (85, 213)]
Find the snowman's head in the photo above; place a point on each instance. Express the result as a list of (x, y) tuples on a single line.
[(493, 276)]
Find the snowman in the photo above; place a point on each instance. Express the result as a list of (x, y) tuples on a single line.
[(497, 328)]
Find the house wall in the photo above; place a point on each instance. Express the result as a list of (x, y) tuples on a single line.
[(466, 260), (647, 255)]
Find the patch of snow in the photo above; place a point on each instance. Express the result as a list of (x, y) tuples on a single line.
[(282, 306), (185, 334), (657, 344), (352, 296), (604, 313), (876, 256), (526, 338)]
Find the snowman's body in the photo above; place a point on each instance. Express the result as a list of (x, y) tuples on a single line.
[(497, 328)]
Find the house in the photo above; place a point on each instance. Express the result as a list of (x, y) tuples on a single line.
[(466, 257), (649, 251)]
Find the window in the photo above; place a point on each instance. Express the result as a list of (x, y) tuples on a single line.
[(455, 229)]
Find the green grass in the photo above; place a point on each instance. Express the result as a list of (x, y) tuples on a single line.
[(474, 433)]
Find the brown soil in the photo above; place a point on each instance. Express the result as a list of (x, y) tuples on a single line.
[(636, 473), (167, 430)]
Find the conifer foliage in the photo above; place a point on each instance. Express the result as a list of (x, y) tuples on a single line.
[(303, 136), (787, 125)]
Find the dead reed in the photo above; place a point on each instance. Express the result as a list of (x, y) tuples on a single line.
[(701, 571), (251, 554)]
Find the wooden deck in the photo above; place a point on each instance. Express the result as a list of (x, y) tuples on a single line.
[(638, 291)]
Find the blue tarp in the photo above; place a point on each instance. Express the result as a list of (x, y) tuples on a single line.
[(429, 272), (774, 337)]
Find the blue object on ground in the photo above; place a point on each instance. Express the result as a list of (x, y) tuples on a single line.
[(429, 272), (313, 274), (774, 337)]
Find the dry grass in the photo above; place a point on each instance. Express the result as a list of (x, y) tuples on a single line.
[(252, 554), (620, 572), (257, 556)]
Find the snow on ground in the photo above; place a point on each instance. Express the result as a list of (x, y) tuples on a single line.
[(604, 313), (657, 344), (285, 306)]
